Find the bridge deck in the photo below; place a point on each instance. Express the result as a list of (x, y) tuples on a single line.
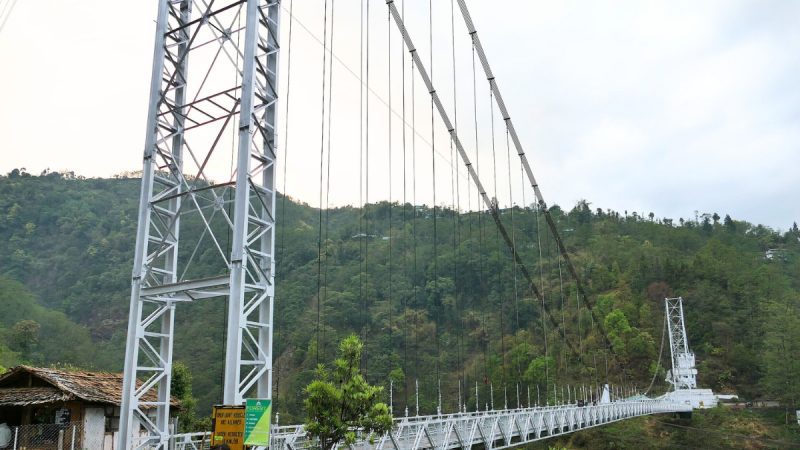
[(496, 429)]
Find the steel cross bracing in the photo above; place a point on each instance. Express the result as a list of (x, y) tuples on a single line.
[(487, 429), (207, 202)]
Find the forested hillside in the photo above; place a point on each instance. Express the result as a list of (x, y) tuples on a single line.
[(459, 308)]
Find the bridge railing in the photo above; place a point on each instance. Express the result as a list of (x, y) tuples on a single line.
[(494, 429)]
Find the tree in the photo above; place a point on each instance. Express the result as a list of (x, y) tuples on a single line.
[(181, 389), (25, 336), (716, 218), (707, 225), (340, 402), (539, 369), (782, 344), (729, 224)]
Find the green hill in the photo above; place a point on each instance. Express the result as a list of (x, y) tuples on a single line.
[(66, 255)]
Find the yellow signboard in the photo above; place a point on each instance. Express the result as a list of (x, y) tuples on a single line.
[(228, 426)]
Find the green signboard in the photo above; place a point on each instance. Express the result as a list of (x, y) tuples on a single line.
[(257, 416)]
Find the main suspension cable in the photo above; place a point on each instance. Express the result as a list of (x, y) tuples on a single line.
[(473, 175), (523, 159), (660, 352)]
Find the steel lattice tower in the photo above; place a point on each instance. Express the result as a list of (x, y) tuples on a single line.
[(683, 374), (207, 203)]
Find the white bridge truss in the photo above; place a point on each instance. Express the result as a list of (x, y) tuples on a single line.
[(491, 430)]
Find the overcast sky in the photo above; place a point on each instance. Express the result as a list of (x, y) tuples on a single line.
[(662, 106)]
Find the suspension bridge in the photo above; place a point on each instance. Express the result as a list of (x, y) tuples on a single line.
[(211, 163)]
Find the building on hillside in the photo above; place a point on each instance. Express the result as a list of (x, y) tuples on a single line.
[(49, 408)]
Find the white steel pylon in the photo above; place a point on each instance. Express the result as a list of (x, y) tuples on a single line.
[(683, 374), (208, 178)]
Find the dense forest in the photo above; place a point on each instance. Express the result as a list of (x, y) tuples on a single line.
[(434, 294)]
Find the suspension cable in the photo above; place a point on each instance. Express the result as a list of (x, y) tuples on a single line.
[(361, 296), (523, 159), (405, 268), (437, 300), (563, 314), (414, 221), (544, 325), (500, 292), (366, 210), (513, 263), (328, 175), (481, 272), (456, 204), (660, 352), (282, 251), (321, 172), (391, 206), (475, 178)]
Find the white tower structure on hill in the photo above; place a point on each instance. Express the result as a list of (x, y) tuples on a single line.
[(683, 374)]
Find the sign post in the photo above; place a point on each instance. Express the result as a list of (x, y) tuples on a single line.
[(258, 413), (228, 426)]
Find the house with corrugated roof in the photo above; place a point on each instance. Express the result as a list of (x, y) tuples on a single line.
[(50, 408)]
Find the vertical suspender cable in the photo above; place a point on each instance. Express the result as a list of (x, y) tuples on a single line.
[(454, 175), (405, 269), (544, 325), (414, 222), (328, 175), (366, 209), (321, 172), (480, 212), (282, 250), (498, 288), (524, 160), (391, 205), (563, 314), (472, 173), (436, 300), (513, 263), (361, 296)]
